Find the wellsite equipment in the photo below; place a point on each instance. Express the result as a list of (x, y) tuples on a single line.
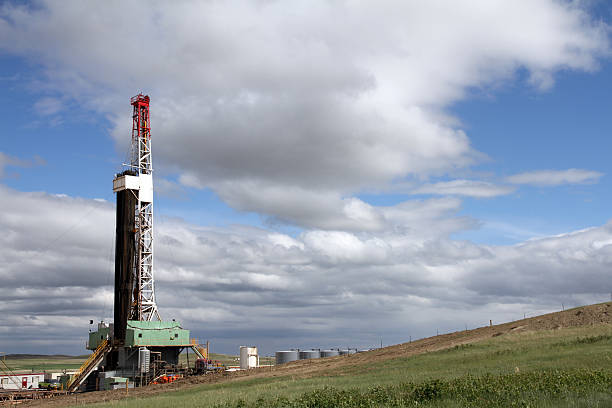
[(138, 345), (287, 356), (249, 358), (308, 354)]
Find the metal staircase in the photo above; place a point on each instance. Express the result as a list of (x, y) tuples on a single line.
[(88, 366), (198, 349)]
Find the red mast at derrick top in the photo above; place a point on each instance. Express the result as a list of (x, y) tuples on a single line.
[(141, 135), (140, 98)]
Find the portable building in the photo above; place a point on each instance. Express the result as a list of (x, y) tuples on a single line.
[(21, 381)]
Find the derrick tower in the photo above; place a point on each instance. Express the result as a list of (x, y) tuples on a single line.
[(134, 281), (143, 306), (138, 344)]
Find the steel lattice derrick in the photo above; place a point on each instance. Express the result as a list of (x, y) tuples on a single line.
[(144, 306)]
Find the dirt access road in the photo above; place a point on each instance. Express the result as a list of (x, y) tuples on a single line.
[(581, 316)]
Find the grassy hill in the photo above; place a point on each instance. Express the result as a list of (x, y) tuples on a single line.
[(560, 359)]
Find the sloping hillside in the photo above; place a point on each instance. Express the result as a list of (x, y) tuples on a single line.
[(557, 327), (577, 317)]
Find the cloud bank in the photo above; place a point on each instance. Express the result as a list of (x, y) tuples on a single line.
[(267, 103), (320, 288)]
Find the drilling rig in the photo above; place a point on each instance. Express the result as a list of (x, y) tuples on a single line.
[(138, 343)]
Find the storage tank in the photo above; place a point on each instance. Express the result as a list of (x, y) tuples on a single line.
[(248, 357), (346, 352), (144, 359), (330, 353), (286, 356), (308, 354)]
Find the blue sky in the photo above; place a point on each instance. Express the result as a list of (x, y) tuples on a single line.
[(413, 164), (522, 129), (518, 127)]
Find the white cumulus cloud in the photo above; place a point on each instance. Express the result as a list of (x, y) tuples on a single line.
[(299, 100)]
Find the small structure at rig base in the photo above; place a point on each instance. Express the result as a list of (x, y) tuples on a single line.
[(248, 357), (144, 334), (147, 346)]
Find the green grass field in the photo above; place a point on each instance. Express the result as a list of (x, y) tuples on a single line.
[(43, 363), (564, 367)]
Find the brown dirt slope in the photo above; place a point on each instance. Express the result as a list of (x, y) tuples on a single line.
[(580, 316)]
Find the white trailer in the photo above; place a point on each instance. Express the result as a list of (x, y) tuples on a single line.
[(28, 381)]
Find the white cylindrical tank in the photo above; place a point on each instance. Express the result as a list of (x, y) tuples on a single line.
[(248, 357), (144, 358)]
